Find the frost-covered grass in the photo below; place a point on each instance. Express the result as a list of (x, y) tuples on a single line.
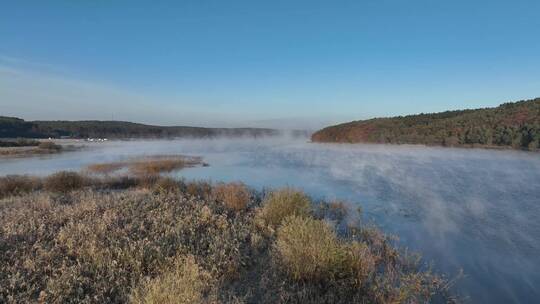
[(80, 239)]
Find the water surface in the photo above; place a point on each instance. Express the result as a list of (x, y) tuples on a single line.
[(475, 210)]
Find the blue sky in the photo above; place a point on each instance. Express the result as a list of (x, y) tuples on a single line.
[(263, 63)]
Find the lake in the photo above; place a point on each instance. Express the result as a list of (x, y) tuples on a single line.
[(470, 209)]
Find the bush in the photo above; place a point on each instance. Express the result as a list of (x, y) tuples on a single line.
[(63, 182), (49, 145), (186, 283), (235, 196), (309, 249), (283, 203), (17, 184)]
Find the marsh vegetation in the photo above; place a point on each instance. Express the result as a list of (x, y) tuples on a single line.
[(81, 239), (148, 165)]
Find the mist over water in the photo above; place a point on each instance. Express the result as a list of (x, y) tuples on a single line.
[(472, 209)]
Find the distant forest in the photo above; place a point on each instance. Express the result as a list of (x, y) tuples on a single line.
[(11, 127), (515, 125)]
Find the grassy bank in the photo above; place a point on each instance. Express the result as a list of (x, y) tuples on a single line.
[(71, 238)]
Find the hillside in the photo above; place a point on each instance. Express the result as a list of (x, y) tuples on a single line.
[(14, 127), (514, 125)]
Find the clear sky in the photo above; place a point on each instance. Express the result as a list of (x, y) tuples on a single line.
[(263, 63)]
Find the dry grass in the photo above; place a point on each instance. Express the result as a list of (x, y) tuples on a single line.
[(158, 243), (99, 246), (105, 168), (201, 189), (283, 203), (185, 283), (235, 196), (156, 166), (64, 182), (309, 249), (152, 165)]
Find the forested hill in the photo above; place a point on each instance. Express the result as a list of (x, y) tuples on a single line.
[(515, 125), (14, 127)]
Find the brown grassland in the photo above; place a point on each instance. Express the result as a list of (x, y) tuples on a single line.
[(73, 238)]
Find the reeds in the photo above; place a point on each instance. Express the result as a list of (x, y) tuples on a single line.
[(151, 165)]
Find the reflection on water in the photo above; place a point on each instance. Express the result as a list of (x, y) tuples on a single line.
[(471, 209)]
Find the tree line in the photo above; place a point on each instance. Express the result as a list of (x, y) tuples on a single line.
[(515, 125)]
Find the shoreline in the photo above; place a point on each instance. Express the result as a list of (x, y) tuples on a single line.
[(463, 147)]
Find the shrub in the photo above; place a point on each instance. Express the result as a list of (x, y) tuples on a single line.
[(63, 182), (283, 203), (186, 283), (235, 196), (49, 145), (309, 249), (17, 184)]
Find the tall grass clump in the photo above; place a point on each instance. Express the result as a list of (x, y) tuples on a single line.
[(234, 196), (309, 249), (63, 182), (283, 203), (105, 168), (185, 283)]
